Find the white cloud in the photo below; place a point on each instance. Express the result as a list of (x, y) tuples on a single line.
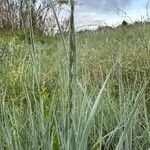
[(95, 17), (85, 15)]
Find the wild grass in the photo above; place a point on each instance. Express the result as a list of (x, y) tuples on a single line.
[(112, 95)]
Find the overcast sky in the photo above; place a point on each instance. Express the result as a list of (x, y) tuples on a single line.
[(102, 12)]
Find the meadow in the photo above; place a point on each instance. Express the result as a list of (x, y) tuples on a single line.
[(112, 98)]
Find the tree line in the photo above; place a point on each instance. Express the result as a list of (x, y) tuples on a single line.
[(24, 13)]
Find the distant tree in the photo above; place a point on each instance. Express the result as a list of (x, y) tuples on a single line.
[(124, 23)]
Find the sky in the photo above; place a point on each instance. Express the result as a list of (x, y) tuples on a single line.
[(94, 13)]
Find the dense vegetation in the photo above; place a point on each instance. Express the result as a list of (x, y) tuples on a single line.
[(112, 101)]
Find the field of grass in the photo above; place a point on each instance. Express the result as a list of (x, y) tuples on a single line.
[(112, 102)]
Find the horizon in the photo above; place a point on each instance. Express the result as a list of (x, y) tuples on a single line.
[(92, 14)]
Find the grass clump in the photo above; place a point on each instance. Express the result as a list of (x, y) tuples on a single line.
[(112, 92)]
